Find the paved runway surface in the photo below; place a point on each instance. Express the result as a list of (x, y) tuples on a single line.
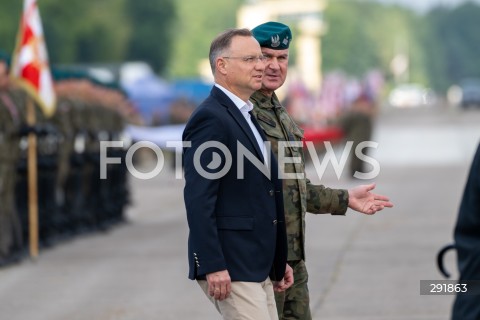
[(361, 267)]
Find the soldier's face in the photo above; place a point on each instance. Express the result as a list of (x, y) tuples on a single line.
[(276, 67)]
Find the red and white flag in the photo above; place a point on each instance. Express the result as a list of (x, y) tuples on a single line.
[(30, 59)]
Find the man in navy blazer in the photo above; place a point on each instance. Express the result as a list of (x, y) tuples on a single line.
[(237, 240)]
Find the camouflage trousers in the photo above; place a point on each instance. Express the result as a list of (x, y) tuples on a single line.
[(294, 303), (10, 225), (357, 164)]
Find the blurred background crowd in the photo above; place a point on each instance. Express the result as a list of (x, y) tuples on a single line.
[(72, 198)]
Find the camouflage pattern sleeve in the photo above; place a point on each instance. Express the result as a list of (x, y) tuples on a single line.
[(325, 200)]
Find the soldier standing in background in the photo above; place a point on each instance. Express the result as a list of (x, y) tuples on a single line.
[(68, 202), (51, 219), (11, 242), (95, 113), (299, 195), (357, 125), (72, 158), (63, 121)]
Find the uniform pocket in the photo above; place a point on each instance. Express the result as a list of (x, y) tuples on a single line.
[(235, 223)]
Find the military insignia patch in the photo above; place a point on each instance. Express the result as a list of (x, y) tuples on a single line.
[(275, 41)]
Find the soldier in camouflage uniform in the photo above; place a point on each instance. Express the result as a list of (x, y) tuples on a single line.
[(11, 240), (299, 194), (357, 124)]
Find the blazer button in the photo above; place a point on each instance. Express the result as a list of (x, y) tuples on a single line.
[(271, 192), (275, 221)]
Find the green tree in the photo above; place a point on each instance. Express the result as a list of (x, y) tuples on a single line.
[(80, 31), (152, 29), (9, 22), (364, 35), (435, 50), (199, 22), (347, 45), (106, 31), (454, 48)]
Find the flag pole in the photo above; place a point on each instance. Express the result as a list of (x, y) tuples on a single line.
[(31, 70), (32, 182)]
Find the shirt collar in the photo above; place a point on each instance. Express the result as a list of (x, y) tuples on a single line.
[(241, 105)]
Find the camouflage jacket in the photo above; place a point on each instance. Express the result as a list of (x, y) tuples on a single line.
[(299, 194), (10, 123)]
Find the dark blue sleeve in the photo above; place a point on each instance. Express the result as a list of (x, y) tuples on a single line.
[(200, 193)]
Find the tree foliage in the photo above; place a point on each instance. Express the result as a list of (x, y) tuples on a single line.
[(174, 36), (442, 46), (78, 31), (153, 33), (454, 48), (9, 20), (366, 35), (198, 23)]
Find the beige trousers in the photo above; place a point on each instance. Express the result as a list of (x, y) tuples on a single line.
[(247, 301)]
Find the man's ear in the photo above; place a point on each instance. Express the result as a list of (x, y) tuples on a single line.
[(220, 65)]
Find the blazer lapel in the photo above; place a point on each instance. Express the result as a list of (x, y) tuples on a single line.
[(240, 120), (257, 125)]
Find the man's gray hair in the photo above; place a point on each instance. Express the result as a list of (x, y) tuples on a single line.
[(222, 42)]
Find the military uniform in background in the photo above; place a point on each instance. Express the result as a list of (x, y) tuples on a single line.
[(49, 215), (63, 122), (106, 188), (92, 114), (51, 218), (299, 196), (116, 183), (91, 173), (357, 125), (75, 191), (72, 198), (11, 239)]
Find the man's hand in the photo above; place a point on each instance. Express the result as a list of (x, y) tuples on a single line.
[(286, 282), (219, 284), (362, 200)]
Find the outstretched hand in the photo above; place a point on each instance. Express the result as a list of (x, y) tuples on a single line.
[(364, 201)]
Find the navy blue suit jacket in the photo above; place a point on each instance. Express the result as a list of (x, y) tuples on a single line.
[(235, 223)]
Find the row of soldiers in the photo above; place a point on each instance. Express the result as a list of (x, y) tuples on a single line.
[(72, 198)]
